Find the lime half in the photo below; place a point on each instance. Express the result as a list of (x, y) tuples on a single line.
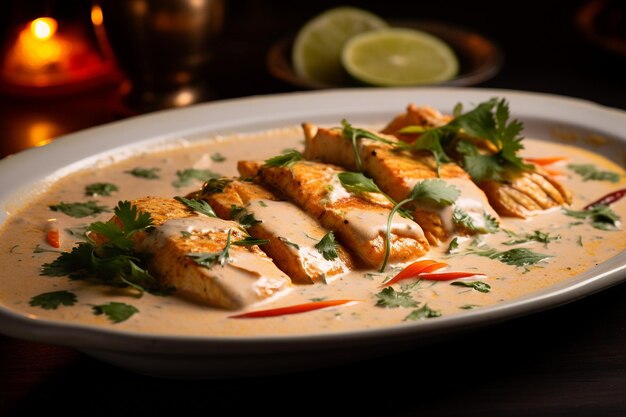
[(318, 45), (399, 57)]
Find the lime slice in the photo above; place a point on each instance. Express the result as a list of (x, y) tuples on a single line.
[(317, 48), (399, 57)]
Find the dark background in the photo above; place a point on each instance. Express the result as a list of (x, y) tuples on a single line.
[(570, 361)]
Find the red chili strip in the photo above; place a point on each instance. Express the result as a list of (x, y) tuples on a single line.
[(545, 161), (414, 269), (294, 309), (607, 199), (446, 276), (53, 239)]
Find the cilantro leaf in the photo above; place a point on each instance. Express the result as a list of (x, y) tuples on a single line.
[(589, 172), (116, 312), (147, 173), (132, 221), (68, 263), (52, 300), (390, 298), (242, 216), (100, 188), (536, 236), (354, 134), (207, 260), (520, 257), (453, 246), (479, 166), (327, 246), (79, 210), (218, 157), (289, 243), (482, 224), (186, 176), (200, 206), (600, 216), (250, 241), (286, 159), (436, 191), (215, 185), (422, 313), (477, 285), (356, 183)]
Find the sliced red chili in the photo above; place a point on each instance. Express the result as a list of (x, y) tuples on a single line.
[(446, 276), (293, 309), (610, 198), (415, 268)]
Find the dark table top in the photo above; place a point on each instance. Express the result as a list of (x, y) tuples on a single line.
[(569, 361)]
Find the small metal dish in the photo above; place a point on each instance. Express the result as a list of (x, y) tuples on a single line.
[(479, 58)]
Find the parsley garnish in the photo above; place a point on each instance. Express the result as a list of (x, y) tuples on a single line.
[(215, 185), (113, 262), (200, 206), (454, 245), (600, 217), (79, 210), (463, 219), (390, 298), (100, 188), (327, 246), (357, 183), (116, 312), (207, 260), (52, 300), (536, 236), (422, 313), (242, 216), (354, 134), (477, 285), (250, 241), (289, 243), (469, 306), (520, 257), (186, 176), (589, 172), (147, 173), (218, 157), (286, 159)]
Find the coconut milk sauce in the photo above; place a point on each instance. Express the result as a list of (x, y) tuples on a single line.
[(579, 248)]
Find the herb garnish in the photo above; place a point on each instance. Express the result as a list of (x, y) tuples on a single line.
[(423, 312), (186, 176), (147, 173), (207, 260), (289, 243), (477, 285), (536, 236), (601, 217), (79, 210), (519, 257), (218, 157), (390, 298), (466, 221), (115, 311), (100, 188), (250, 241), (113, 262), (327, 246), (52, 300), (215, 185), (589, 172), (199, 206), (286, 159)]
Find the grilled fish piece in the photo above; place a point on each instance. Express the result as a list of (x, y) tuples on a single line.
[(520, 194), (247, 276), (397, 171), (359, 223), (292, 234)]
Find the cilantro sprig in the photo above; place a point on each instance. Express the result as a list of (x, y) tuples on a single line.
[(79, 209), (286, 159), (208, 259), (327, 246), (600, 217)]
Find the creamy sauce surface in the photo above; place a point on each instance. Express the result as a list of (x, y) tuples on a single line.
[(578, 247)]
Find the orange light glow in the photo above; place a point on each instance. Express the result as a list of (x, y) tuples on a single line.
[(41, 133), (96, 15), (43, 28)]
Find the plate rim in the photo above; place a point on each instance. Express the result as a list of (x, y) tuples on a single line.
[(145, 129)]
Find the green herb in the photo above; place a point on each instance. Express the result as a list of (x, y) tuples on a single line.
[(186, 176), (100, 188), (147, 173), (317, 299), (466, 221), (242, 216), (218, 157), (390, 298), (289, 243), (600, 217), (454, 245), (236, 211), (207, 260), (354, 134), (200, 206), (422, 313), (79, 210), (519, 257), (589, 172), (469, 306), (477, 285), (286, 159), (357, 183), (215, 185), (250, 241), (435, 191), (113, 262), (536, 236), (262, 203), (327, 246), (185, 234), (116, 312), (52, 300), (580, 241)]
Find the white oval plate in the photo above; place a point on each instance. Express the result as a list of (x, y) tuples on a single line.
[(178, 356)]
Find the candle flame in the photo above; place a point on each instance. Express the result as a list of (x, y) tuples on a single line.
[(96, 15), (43, 28)]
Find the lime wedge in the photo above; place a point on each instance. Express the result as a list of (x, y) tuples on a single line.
[(399, 57), (317, 47)]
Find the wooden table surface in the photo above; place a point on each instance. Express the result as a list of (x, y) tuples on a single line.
[(569, 361)]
